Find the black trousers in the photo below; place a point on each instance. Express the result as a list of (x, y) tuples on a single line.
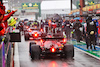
[(91, 40), (78, 36), (67, 32)]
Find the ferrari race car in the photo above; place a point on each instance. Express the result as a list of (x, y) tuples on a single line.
[(34, 33), (51, 46)]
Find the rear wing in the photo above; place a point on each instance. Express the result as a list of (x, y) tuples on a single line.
[(51, 39)]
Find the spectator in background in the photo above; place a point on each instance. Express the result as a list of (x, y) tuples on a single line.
[(46, 22), (21, 25), (67, 29), (29, 23), (97, 24), (63, 24), (42, 23), (85, 33), (54, 25), (59, 23), (95, 20), (46, 25), (77, 26), (91, 31), (83, 22), (98, 27), (72, 30), (35, 23)]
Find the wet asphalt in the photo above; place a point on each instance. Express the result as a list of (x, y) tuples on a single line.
[(80, 60)]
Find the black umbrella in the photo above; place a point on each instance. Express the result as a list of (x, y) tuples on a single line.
[(25, 19)]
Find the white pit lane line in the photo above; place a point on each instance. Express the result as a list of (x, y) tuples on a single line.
[(16, 56), (87, 53)]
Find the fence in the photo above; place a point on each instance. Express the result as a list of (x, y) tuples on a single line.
[(5, 50)]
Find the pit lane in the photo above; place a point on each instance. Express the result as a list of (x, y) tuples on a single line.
[(81, 59)]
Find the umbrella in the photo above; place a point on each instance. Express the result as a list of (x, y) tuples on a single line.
[(77, 18), (94, 19), (25, 19)]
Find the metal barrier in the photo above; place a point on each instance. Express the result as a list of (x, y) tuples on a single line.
[(0, 55), (5, 51)]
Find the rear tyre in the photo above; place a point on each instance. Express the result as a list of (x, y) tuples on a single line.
[(69, 51), (35, 52), (31, 43)]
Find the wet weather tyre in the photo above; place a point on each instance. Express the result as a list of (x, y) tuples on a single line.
[(69, 51), (35, 52), (31, 43)]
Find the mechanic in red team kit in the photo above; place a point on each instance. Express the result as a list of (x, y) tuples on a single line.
[(3, 19)]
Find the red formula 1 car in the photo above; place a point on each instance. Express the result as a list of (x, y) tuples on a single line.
[(34, 33), (51, 46)]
